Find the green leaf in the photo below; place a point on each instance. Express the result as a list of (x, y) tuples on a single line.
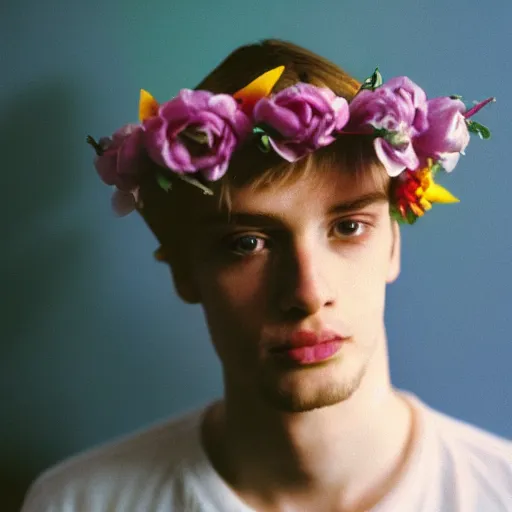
[(263, 138), (436, 168), (396, 215), (95, 145), (264, 143), (411, 217), (164, 182), (396, 139), (380, 132), (482, 131), (264, 129), (196, 183), (195, 135), (373, 81)]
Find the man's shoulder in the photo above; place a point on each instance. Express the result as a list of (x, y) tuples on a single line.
[(134, 460), (477, 441), (472, 460)]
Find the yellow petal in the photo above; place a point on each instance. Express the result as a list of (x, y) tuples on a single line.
[(427, 181), (148, 106), (261, 87), (426, 205), (438, 194), (416, 209)]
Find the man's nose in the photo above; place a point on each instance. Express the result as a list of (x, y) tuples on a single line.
[(303, 281)]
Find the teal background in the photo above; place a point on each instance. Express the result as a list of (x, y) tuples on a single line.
[(93, 341)]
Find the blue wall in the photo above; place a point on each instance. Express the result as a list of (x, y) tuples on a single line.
[(93, 342)]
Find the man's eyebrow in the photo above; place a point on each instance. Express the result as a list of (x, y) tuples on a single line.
[(242, 218), (265, 218), (360, 202)]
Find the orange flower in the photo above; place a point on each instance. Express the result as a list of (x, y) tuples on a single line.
[(416, 191), (259, 88)]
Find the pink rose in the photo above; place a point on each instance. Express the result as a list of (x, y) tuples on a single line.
[(398, 109), (447, 135), (197, 131), (123, 158), (302, 117)]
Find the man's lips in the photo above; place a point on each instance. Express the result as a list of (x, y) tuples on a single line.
[(305, 347), (305, 338)]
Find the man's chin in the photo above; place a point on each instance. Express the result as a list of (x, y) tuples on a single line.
[(298, 394)]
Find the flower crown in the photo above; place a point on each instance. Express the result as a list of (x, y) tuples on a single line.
[(194, 135)]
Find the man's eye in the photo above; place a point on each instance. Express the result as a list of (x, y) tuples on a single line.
[(349, 228), (248, 244)]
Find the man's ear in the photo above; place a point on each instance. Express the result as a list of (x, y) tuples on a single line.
[(395, 260), (182, 276), (157, 209)]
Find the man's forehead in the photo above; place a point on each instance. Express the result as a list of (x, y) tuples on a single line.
[(342, 193), (328, 183)]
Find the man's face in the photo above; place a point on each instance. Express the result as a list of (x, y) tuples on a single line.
[(311, 256)]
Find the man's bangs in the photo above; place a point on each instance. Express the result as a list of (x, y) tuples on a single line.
[(350, 154)]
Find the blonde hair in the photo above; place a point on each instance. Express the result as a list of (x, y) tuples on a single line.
[(250, 166)]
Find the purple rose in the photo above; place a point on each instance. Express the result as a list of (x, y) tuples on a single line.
[(196, 132), (305, 118), (447, 135), (399, 109), (123, 158)]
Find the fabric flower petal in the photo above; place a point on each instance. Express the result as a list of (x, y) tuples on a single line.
[(177, 157), (289, 152), (388, 157), (306, 118), (279, 118), (448, 160), (196, 132), (106, 165), (448, 132), (123, 202)]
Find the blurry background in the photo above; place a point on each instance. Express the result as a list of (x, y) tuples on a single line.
[(93, 342)]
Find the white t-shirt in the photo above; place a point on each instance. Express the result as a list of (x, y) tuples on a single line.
[(455, 467)]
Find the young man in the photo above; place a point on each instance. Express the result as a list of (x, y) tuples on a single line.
[(289, 258)]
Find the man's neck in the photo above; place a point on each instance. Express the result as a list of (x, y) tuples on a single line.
[(341, 457)]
